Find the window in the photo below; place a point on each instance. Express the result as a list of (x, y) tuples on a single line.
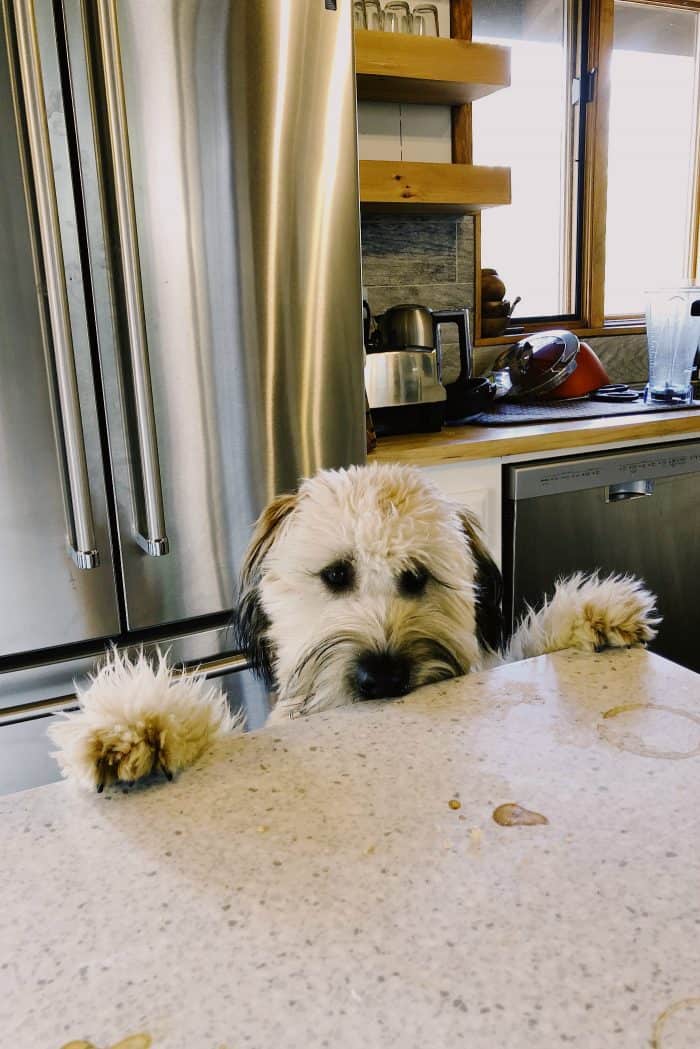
[(605, 167), (531, 128), (651, 176)]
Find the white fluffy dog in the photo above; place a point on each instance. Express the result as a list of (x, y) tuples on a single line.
[(365, 584), (369, 583)]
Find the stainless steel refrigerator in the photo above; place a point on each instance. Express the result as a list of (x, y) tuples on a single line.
[(180, 311)]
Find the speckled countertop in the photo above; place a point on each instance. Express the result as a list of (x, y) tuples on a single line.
[(311, 885)]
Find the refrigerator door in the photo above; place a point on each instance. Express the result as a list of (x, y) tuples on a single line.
[(223, 224), (57, 583)]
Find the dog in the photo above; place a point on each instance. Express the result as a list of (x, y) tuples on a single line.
[(365, 584), (368, 583)]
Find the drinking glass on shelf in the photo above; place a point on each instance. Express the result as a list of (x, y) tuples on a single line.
[(397, 17), (374, 13), (359, 14), (426, 20)]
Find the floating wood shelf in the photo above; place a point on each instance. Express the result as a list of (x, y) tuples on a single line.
[(398, 67), (393, 185)]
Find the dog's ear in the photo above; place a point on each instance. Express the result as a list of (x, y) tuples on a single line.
[(250, 620), (489, 585)]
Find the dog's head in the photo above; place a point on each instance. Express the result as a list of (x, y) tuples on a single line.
[(366, 584)]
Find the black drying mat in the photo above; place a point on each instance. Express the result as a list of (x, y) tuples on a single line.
[(507, 414)]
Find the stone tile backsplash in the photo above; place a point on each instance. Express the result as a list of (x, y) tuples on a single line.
[(624, 357), (426, 259), (429, 260), (422, 259)]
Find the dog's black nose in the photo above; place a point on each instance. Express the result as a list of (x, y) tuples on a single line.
[(381, 675)]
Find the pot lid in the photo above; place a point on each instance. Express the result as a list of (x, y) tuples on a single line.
[(539, 362)]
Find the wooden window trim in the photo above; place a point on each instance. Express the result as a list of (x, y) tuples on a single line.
[(592, 320), (595, 179), (636, 327), (461, 29), (694, 245)]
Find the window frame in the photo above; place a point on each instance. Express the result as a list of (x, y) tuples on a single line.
[(597, 18)]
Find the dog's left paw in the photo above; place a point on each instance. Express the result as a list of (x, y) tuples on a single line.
[(617, 612)]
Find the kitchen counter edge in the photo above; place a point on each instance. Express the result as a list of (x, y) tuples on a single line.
[(458, 443)]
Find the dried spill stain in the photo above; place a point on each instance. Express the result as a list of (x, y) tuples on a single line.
[(512, 815), (677, 1007), (133, 1041), (635, 744)]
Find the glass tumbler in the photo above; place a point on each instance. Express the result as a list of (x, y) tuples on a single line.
[(359, 14), (375, 15), (397, 17), (425, 20)]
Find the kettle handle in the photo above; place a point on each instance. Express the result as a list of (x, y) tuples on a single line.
[(460, 317), (456, 391)]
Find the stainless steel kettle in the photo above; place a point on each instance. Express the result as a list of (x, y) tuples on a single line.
[(411, 327)]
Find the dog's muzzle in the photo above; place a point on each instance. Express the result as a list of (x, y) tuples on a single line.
[(382, 675)]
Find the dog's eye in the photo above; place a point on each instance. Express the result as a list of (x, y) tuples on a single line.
[(339, 577), (413, 581)]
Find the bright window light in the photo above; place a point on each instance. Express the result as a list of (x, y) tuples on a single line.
[(524, 128), (650, 153)]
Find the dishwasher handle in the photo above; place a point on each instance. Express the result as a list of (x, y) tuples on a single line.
[(625, 491)]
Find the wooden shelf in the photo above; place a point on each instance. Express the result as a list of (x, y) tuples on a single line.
[(393, 185), (398, 67)]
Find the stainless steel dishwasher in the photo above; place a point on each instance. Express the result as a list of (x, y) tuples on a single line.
[(634, 511)]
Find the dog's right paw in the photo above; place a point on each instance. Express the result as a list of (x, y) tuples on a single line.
[(98, 754), (137, 719)]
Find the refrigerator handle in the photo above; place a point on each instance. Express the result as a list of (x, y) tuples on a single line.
[(151, 532), (80, 522)]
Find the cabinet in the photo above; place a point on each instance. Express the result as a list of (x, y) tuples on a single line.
[(478, 487)]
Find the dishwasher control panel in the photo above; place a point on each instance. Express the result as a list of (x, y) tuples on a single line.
[(569, 475)]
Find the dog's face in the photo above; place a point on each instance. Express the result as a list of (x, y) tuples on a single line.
[(365, 585)]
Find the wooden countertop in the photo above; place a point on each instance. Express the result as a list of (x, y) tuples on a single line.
[(458, 443)]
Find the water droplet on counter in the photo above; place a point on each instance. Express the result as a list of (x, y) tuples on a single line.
[(512, 815)]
